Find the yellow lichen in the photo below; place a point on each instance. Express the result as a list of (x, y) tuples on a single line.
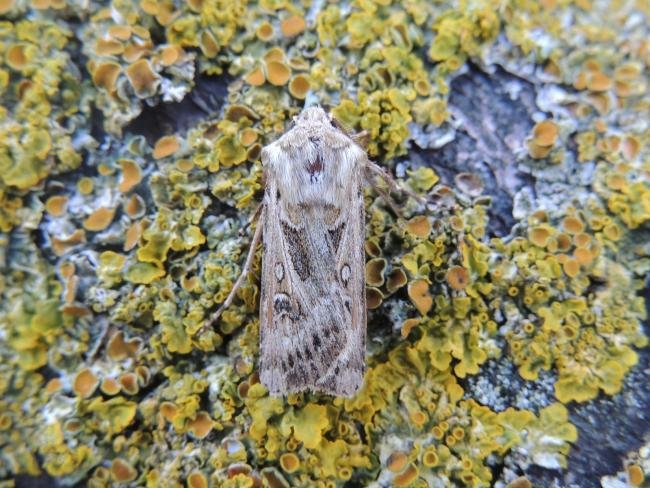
[(397, 461), (105, 75), (457, 277), (122, 471), (289, 462), (85, 186), (545, 133), (6, 6), (277, 73), (299, 86), (375, 272), (419, 226), (142, 78), (396, 279), (307, 424), (256, 77), (129, 383), (118, 348), (131, 175), (407, 477), (110, 387), (85, 383), (292, 26), (201, 425), (99, 219), (374, 297), (165, 146), (264, 31), (635, 475), (418, 291), (196, 479), (56, 205)]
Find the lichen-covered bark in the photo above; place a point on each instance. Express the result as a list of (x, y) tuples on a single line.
[(506, 316)]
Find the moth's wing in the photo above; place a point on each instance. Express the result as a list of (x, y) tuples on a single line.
[(289, 341), (344, 360), (313, 311), (285, 347), (275, 283)]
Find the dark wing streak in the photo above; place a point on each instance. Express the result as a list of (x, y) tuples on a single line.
[(345, 371), (296, 336), (274, 348), (315, 337), (314, 359), (296, 357)]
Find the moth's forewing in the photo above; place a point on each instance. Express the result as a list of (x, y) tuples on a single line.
[(313, 311)]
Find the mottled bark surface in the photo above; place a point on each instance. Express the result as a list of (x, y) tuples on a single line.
[(495, 111)]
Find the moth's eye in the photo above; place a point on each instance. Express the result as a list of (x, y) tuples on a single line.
[(335, 123)]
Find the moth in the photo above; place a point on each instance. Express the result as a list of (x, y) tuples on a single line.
[(313, 298)]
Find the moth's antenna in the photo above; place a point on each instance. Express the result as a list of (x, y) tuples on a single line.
[(311, 100)]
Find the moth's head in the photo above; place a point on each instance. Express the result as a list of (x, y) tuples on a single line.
[(315, 119), (312, 116)]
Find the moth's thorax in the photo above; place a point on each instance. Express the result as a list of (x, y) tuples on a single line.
[(314, 162)]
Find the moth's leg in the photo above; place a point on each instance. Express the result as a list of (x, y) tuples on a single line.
[(247, 266), (362, 138), (391, 182), (388, 199), (255, 216)]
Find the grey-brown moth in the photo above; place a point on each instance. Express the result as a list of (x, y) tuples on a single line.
[(313, 302)]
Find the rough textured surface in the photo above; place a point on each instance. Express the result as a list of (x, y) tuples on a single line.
[(203, 102), (495, 108), (493, 115), (506, 323), (623, 420)]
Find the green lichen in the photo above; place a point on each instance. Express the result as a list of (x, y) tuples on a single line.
[(184, 404)]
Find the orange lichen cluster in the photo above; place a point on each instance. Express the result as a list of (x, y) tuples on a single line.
[(543, 139)]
